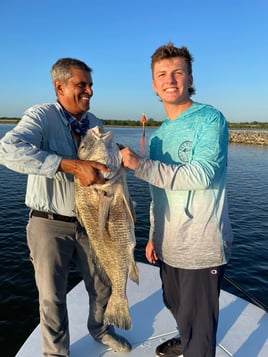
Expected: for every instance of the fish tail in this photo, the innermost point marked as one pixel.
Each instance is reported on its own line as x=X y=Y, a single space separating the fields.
x=134 y=272
x=117 y=313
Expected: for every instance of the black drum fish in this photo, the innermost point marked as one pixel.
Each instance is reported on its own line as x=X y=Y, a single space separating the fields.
x=107 y=213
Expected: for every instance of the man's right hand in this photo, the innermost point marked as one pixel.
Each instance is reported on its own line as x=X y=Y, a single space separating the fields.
x=88 y=172
x=150 y=253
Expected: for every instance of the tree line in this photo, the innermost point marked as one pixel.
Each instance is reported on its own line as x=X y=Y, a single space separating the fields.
x=154 y=123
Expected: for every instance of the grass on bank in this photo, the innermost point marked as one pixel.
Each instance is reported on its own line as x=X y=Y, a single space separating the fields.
x=254 y=125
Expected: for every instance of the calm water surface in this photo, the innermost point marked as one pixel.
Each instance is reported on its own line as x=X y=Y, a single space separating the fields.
x=247 y=194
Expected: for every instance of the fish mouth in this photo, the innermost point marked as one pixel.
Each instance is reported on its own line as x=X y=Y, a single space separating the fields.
x=113 y=175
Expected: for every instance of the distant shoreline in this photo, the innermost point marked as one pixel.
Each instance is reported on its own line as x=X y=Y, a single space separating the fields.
x=9 y=121
x=247 y=134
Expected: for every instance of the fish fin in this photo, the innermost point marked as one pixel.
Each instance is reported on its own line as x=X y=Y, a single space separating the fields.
x=128 y=201
x=129 y=209
x=117 y=313
x=132 y=209
x=104 y=208
x=133 y=273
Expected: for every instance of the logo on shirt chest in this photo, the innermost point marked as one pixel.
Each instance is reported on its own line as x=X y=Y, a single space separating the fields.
x=184 y=151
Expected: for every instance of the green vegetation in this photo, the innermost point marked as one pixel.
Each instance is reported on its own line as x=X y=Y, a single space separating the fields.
x=113 y=122
x=254 y=125
x=153 y=123
x=4 y=120
x=109 y=122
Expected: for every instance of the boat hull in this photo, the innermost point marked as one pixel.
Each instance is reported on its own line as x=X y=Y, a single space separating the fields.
x=242 y=332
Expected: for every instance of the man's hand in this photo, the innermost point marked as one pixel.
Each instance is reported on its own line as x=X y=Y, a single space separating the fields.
x=88 y=172
x=150 y=253
x=129 y=158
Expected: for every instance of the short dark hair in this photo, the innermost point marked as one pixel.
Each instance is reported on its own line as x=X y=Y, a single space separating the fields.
x=61 y=70
x=169 y=51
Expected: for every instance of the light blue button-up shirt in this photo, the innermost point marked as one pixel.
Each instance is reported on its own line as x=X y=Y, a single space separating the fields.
x=35 y=147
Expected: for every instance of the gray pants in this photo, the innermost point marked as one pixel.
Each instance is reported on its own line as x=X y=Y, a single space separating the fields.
x=52 y=245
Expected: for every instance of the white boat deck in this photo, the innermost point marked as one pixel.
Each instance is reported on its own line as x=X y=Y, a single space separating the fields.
x=242 y=332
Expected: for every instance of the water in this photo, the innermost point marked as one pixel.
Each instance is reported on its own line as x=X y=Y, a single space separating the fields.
x=247 y=194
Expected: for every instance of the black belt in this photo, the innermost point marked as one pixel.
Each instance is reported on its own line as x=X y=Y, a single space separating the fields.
x=56 y=217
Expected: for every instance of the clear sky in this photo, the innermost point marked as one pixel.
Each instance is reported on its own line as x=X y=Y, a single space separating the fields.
x=228 y=39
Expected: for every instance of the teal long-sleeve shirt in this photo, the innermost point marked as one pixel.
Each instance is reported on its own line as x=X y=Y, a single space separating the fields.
x=186 y=170
x=35 y=147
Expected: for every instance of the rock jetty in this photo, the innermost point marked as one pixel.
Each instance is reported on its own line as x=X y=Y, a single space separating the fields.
x=249 y=137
